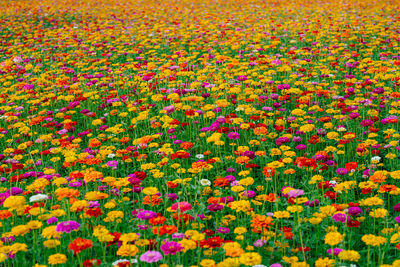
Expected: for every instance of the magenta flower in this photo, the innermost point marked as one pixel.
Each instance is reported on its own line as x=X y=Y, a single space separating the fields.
x=334 y=251
x=67 y=226
x=146 y=215
x=340 y=217
x=171 y=247
x=342 y=171
x=113 y=164
x=241 y=78
x=233 y=135
x=354 y=211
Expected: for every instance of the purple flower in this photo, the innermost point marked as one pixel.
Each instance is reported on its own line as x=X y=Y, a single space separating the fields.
x=397 y=207
x=143 y=227
x=215 y=207
x=312 y=203
x=151 y=256
x=67 y=226
x=354 y=211
x=52 y=220
x=397 y=219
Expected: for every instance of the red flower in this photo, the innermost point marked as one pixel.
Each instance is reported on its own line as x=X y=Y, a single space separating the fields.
x=115 y=240
x=351 y=166
x=324 y=185
x=213 y=242
x=80 y=244
x=353 y=223
x=94 y=212
x=92 y=262
x=331 y=195
x=366 y=191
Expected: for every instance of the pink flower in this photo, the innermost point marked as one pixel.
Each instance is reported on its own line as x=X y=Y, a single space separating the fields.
x=151 y=256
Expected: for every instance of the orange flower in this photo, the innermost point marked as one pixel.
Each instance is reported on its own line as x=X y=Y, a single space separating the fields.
x=186 y=145
x=92 y=176
x=289 y=171
x=66 y=193
x=206 y=153
x=94 y=142
x=242 y=160
x=155 y=125
x=268 y=171
x=260 y=131
x=5 y=214
x=261 y=223
x=377 y=178
x=124 y=140
x=153 y=200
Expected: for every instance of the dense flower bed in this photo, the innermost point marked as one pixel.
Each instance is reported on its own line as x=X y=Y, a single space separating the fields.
x=199 y=133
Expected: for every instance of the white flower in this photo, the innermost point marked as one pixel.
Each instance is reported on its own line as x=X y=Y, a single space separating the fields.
x=115 y=263
x=205 y=182
x=38 y=197
x=111 y=155
x=376 y=159
x=200 y=156
x=332 y=183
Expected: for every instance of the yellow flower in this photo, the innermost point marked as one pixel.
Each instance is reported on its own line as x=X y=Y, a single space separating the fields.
x=57 y=259
x=349 y=255
x=126 y=238
x=240 y=230
x=325 y=262
x=50 y=232
x=207 y=263
x=52 y=243
x=127 y=250
x=378 y=213
x=20 y=230
x=373 y=240
x=150 y=191
x=250 y=259
x=281 y=214
x=3 y=257
x=14 y=202
x=333 y=238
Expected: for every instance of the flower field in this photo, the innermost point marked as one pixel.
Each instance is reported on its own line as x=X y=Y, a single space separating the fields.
x=199 y=133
